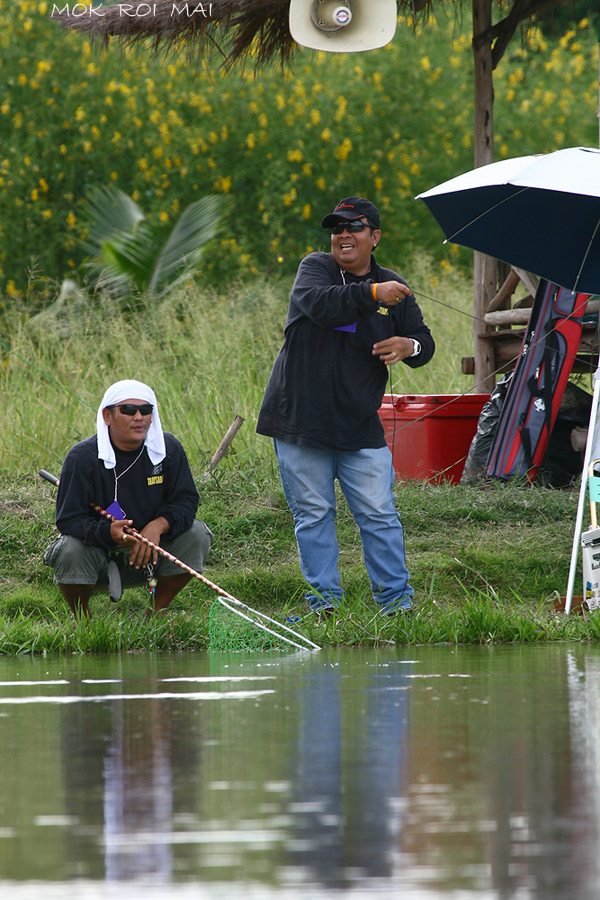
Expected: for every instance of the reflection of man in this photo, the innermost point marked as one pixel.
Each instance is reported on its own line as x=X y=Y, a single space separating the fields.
x=348 y=320
x=140 y=475
x=350 y=773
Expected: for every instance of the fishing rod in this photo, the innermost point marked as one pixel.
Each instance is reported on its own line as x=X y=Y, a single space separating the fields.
x=222 y=596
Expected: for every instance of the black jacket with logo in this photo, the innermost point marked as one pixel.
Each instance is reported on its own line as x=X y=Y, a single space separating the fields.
x=145 y=492
x=326 y=386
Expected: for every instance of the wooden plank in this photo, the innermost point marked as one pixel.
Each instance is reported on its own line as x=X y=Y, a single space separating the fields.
x=530 y=281
x=507 y=290
x=508 y=317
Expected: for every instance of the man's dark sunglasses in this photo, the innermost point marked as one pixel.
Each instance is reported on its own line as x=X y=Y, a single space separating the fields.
x=354 y=225
x=130 y=409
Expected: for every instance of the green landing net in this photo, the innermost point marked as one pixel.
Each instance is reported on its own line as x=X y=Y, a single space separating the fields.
x=229 y=631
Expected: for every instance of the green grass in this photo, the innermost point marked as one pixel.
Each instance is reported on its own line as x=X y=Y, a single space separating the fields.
x=486 y=566
x=485 y=562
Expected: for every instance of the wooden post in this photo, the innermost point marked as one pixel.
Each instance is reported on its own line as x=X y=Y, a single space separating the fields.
x=223 y=446
x=485 y=269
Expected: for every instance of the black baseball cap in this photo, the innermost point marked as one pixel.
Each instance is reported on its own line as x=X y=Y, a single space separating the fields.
x=353 y=208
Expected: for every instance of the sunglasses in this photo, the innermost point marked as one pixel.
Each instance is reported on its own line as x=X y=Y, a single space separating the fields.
x=130 y=409
x=355 y=225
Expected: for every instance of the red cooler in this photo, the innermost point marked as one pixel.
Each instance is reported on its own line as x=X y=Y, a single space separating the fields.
x=430 y=436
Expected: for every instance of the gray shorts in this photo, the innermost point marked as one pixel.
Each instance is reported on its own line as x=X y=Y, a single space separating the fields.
x=75 y=563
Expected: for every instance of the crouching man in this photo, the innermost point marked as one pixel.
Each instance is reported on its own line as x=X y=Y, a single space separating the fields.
x=141 y=476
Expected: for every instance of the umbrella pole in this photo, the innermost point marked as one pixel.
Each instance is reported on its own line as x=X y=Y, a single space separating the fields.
x=582 y=491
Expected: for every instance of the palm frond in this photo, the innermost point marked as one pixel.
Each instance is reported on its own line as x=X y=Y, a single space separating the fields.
x=132 y=254
x=186 y=243
x=129 y=251
x=105 y=212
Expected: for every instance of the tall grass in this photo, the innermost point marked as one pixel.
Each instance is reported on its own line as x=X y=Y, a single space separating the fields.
x=207 y=354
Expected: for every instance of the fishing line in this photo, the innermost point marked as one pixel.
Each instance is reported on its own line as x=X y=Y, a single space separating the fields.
x=473 y=388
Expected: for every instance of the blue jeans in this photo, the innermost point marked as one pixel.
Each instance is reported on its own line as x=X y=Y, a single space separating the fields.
x=366 y=478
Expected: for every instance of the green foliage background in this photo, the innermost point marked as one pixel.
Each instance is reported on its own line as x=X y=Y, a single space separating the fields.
x=285 y=145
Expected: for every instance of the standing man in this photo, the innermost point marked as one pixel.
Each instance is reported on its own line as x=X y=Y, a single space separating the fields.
x=141 y=475
x=348 y=320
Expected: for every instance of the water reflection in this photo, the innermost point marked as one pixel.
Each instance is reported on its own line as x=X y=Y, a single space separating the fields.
x=426 y=773
x=345 y=791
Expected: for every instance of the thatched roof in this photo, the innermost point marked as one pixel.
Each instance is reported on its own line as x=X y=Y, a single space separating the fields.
x=237 y=29
x=245 y=29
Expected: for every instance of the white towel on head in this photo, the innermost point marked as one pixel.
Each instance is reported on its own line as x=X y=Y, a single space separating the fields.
x=118 y=393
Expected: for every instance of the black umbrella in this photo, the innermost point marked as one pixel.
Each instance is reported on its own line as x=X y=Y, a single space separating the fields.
x=539 y=213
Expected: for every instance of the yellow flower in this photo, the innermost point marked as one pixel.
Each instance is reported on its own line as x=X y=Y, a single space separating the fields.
x=223 y=184
x=326 y=134
x=306 y=211
x=516 y=76
x=71 y=220
x=47 y=213
x=163 y=216
x=343 y=151
x=342 y=104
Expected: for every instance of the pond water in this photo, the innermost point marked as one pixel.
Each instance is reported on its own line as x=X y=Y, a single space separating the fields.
x=428 y=773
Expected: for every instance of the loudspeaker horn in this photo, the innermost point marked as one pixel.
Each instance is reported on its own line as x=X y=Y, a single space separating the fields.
x=343 y=26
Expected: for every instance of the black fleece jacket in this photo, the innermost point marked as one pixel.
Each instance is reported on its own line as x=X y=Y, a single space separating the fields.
x=326 y=386
x=145 y=492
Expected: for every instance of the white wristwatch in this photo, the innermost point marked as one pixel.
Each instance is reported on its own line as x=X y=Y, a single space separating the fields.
x=417 y=349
